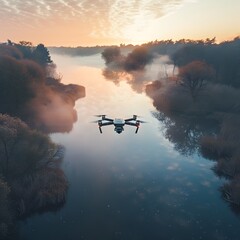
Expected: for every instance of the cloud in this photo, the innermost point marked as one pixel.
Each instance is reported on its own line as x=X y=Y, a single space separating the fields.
x=104 y=18
x=173 y=167
x=123 y=16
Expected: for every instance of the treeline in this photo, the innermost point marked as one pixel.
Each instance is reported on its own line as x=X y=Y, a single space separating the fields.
x=169 y=47
x=163 y=47
x=223 y=58
x=77 y=51
x=87 y=51
x=26 y=50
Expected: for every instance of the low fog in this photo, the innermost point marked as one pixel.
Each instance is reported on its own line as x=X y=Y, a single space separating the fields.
x=30 y=89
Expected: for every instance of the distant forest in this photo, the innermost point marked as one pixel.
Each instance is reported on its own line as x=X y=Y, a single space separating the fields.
x=85 y=51
x=163 y=47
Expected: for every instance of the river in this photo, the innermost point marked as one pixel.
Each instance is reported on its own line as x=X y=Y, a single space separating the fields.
x=128 y=186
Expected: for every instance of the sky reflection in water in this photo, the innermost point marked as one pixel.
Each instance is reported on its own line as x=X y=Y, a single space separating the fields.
x=128 y=186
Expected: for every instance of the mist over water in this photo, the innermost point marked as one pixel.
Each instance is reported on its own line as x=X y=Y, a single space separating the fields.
x=129 y=186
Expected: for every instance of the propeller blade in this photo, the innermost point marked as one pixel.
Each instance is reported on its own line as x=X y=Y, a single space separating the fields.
x=100 y=115
x=94 y=121
x=140 y=121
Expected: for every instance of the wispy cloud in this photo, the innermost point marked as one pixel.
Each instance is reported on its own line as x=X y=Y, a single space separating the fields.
x=104 y=18
x=122 y=16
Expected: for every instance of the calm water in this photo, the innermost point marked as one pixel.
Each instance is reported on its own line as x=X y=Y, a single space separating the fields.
x=129 y=186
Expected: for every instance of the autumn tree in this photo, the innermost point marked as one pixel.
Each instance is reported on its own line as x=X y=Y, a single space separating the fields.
x=194 y=76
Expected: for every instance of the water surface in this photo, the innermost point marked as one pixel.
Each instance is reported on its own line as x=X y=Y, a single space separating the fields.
x=128 y=186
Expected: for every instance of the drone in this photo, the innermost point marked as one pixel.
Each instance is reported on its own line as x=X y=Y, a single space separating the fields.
x=118 y=123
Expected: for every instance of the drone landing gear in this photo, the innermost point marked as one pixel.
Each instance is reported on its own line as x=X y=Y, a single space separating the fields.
x=137 y=129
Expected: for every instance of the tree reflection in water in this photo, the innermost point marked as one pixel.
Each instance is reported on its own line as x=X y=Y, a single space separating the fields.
x=208 y=126
x=136 y=79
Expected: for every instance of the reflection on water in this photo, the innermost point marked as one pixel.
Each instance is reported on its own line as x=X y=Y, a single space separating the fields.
x=129 y=186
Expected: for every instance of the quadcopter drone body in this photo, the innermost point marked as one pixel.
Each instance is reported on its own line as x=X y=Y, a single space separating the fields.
x=118 y=123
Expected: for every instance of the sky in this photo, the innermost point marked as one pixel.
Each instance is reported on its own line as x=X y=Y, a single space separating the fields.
x=108 y=22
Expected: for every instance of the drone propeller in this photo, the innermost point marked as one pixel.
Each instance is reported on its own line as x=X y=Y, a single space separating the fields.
x=95 y=121
x=140 y=121
x=100 y=115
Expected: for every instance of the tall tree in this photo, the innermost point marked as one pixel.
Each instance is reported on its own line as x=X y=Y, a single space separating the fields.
x=41 y=55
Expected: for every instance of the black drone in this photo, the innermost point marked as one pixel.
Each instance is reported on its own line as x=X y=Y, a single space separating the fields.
x=118 y=123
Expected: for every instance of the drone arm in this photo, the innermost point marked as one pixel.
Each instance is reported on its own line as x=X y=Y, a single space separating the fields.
x=106 y=124
x=131 y=123
x=130 y=119
x=134 y=118
x=107 y=119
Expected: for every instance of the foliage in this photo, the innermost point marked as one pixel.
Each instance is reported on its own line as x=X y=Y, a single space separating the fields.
x=11 y=51
x=137 y=59
x=17 y=80
x=41 y=55
x=194 y=77
x=111 y=54
x=30 y=165
x=207 y=123
x=30 y=89
x=224 y=59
